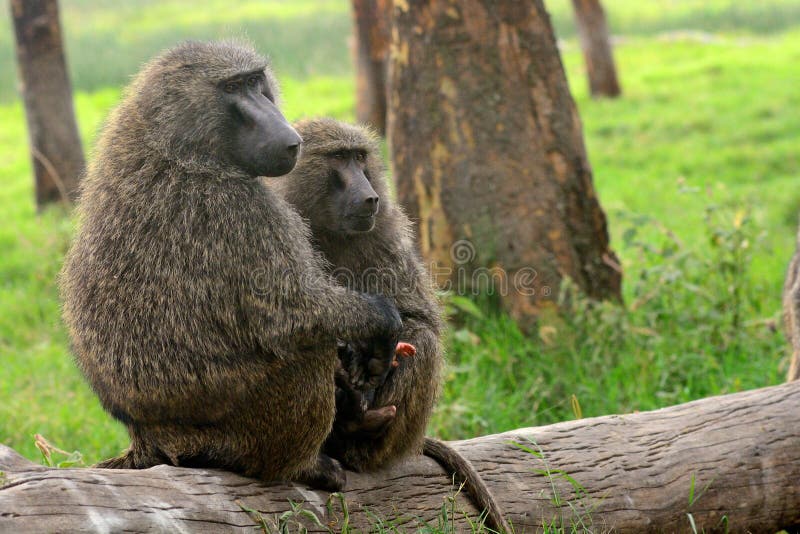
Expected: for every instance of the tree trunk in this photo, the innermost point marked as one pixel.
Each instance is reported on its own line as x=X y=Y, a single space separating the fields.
x=488 y=153
x=596 y=44
x=731 y=461
x=55 y=144
x=372 y=19
x=791 y=311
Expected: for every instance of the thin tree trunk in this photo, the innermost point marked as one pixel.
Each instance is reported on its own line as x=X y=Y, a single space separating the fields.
x=732 y=462
x=372 y=19
x=488 y=153
x=596 y=45
x=56 y=150
x=791 y=311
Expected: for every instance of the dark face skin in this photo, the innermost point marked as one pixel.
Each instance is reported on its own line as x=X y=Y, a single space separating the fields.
x=262 y=142
x=353 y=200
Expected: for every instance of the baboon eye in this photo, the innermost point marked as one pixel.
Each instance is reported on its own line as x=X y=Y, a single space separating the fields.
x=252 y=81
x=361 y=156
x=338 y=155
x=232 y=87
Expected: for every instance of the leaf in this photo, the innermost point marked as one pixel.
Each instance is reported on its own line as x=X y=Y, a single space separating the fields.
x=548 y=333
x=691 y=522
x=629 y=235
x=463 y=335
x=739 y=218
x=465 y=305
x=576 y=407
x=527 y=449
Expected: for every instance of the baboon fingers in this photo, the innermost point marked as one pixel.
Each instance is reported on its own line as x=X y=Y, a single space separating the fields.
x=406 y=350
x=374 y=423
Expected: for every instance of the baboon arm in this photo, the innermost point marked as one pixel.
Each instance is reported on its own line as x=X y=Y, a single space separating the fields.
x=321 y=316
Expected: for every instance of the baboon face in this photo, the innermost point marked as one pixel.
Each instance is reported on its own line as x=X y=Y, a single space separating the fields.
x=338 y=184
x=353 y=201
x=212 y=106
x=262 y=142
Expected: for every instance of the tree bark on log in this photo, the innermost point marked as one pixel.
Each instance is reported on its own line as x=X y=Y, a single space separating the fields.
x=730 y=461
x=372 y=20
x=56 y=149
x=596 y=45
x=488 y=154
x=791 y=311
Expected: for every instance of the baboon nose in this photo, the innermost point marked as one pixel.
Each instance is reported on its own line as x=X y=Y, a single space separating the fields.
x=371 y=203
x=293 y=149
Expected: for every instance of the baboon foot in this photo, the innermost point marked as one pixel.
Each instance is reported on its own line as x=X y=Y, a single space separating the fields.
x=373 y=424
x=327 y=475
x=123 y=461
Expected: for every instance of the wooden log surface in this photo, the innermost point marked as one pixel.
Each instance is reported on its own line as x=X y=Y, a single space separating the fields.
x=731 y=461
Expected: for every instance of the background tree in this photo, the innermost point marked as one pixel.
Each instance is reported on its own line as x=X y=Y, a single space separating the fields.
x=372 y=20
x=596 y=45
x=488 y=152
x=54 y=141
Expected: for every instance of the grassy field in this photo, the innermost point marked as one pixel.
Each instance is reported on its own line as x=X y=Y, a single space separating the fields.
x=695 y=167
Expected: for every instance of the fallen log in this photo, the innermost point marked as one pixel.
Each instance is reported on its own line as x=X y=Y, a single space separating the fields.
x=729 y=462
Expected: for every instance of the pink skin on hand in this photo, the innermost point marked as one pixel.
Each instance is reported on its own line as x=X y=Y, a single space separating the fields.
x=404 y=350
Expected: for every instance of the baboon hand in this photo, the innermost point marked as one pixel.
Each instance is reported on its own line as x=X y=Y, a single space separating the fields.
x=390 y=323
x=377 y=420
x=404 y=350
x=351 y=404
x=369 y=360
x=370 y=424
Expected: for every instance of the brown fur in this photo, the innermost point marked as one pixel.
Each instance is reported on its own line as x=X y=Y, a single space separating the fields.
x=388 y=251
x=198 y=310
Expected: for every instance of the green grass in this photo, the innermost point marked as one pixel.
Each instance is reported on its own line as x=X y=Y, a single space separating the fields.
x=702 y=123
x=651 y=17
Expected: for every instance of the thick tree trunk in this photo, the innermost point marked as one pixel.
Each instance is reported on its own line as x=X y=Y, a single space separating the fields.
x=596 y=44
x=791 y=311
x=55 y=144
x=488 y=153
x=372 y=19
x=731 y=461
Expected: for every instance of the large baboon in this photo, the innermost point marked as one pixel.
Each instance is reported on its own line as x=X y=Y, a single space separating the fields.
x=339 y=186
x=198 y=310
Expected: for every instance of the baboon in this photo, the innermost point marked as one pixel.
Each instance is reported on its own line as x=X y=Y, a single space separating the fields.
x=198 y=310
x=340 y=187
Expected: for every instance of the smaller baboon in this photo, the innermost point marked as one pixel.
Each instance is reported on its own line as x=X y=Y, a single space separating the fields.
x=791 y=312
x=198 y=310
x=339 y=186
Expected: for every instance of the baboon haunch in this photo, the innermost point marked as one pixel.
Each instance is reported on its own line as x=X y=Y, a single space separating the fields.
x=198 y=310
x=339 y=186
